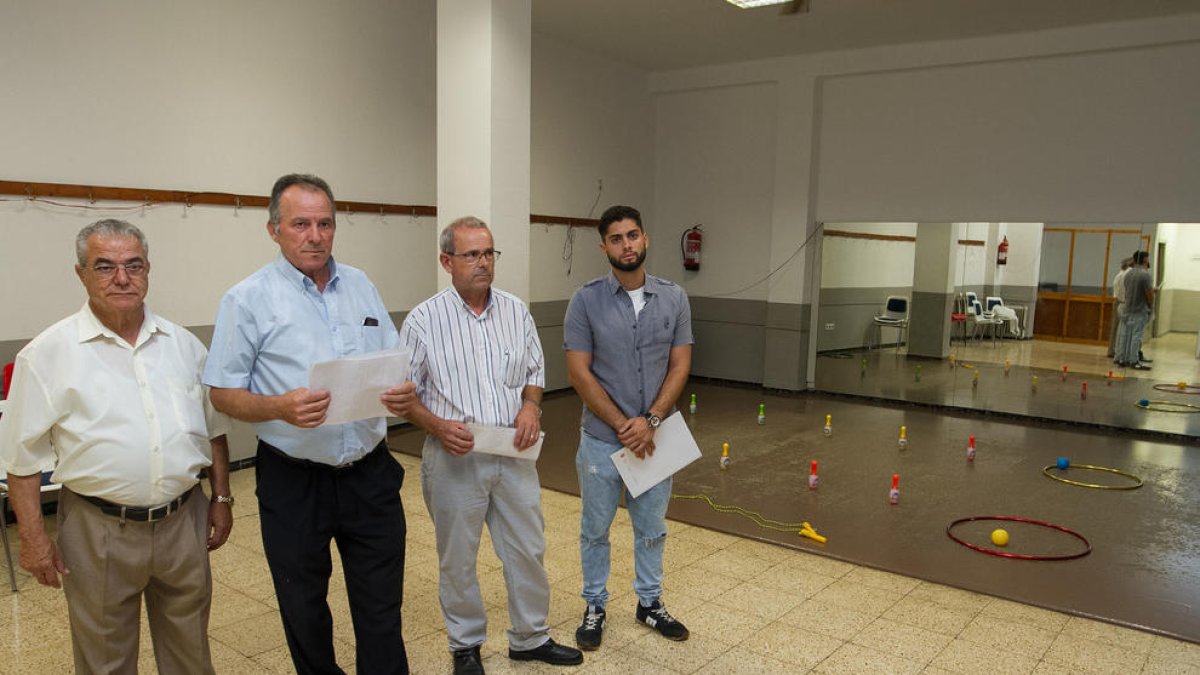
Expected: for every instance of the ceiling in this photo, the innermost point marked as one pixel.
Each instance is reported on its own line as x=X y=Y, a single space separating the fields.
x=668 y=34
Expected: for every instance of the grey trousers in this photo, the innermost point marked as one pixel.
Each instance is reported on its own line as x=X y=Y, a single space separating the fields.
x=114 y=566
x=462 y=494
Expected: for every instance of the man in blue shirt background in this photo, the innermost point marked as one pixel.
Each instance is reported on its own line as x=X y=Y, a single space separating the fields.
x=315 y=483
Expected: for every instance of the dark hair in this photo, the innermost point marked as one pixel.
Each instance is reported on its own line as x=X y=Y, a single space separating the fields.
x=308 y=181
x=617 y=213
x=1140 y=257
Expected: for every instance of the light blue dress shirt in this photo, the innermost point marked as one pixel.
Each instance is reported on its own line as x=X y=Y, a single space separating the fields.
x=273 y=325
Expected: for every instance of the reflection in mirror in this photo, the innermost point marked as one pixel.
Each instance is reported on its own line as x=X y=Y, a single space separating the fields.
x=986 y=316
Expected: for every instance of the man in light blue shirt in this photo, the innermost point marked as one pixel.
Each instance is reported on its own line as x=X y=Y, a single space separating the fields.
x=315 y=483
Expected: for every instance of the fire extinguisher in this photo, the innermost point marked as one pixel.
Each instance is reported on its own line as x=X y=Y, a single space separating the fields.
x=690 y=244
x=1002 y=254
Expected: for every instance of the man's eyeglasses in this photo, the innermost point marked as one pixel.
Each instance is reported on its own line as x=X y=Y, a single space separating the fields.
x=108 y=270
x=473 y=257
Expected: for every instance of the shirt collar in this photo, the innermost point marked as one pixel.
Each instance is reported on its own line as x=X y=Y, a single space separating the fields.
x=613 y=286
x=289 y=272
x=467 y=307
x=90 y=327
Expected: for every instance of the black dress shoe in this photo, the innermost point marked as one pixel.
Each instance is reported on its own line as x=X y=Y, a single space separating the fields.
x=550 y=652
x=467 y=662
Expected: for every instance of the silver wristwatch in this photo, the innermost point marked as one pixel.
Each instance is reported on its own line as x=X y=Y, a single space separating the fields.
x=654 y=420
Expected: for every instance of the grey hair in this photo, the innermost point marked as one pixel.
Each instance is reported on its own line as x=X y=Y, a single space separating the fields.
x=109 y=227
x=446 y=241
x=306 y=180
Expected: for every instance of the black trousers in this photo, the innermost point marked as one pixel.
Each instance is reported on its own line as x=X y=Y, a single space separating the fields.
x=302 y=507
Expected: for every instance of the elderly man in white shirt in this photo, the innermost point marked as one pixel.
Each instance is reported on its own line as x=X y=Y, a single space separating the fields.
x=110 y=398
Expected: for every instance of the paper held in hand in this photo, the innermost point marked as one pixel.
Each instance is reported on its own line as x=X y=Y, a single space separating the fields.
x=674 y=448
x=355 y=383
x=499 y=441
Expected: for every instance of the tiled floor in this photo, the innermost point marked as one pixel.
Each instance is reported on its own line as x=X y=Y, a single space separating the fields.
x=751 y=608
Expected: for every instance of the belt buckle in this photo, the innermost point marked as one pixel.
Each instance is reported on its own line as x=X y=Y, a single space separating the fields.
x=166 y=510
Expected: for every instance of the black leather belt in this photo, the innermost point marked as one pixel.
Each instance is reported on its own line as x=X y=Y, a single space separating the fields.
x=141 y=514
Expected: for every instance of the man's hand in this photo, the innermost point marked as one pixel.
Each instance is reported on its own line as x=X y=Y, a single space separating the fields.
x=456 y=438
x=41 y=558
x=637 y=435
x=303 y=407
x=220 y=522
x=529 y=427
x=399 y=400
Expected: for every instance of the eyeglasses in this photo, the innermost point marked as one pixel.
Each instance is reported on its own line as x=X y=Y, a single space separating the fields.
x=473 y=257
x=109 y=270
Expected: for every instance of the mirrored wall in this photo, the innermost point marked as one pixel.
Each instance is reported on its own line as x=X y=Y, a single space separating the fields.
x=955 y=347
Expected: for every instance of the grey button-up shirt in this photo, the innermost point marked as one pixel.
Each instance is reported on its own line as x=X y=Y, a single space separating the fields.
x=630 y=352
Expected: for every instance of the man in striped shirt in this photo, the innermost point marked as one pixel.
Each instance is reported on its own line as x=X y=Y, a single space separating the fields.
x=476 y=358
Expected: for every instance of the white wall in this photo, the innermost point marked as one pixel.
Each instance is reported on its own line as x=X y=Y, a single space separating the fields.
x=1024 y=254
x=592 y=147
x=222 y=96
x=1093 y=123
x=715 y=156
x=206 y=97
x=868 y=263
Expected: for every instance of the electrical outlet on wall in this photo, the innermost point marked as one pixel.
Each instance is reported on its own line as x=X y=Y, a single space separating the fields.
x=829 y=326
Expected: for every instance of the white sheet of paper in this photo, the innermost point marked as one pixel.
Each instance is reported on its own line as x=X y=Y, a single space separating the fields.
x=674 y=448
x=354 y=383
x=499 y=441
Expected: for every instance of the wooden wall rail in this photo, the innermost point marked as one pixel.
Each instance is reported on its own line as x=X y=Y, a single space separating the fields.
x=92 y=193
x=867 y=235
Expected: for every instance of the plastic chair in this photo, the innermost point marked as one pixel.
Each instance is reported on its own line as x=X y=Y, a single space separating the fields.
x=978 y=318
x=895 y=315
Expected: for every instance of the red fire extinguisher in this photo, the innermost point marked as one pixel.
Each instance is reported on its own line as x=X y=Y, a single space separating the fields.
x=1002 y=254
x=690 y=244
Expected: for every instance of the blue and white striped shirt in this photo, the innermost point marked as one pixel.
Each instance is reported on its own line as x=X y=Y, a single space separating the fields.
x=472 y=368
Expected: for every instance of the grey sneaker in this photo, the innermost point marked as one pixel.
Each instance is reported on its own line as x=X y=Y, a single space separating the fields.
x=591 y=631
x=656 y=617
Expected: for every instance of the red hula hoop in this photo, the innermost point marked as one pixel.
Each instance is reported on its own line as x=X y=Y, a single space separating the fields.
x=1020 y=556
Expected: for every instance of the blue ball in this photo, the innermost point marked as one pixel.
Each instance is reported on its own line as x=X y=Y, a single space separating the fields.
x=1144 y=402
x=1063 y=463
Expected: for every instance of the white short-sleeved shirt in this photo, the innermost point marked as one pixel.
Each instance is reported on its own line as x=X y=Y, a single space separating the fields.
x=127 y=424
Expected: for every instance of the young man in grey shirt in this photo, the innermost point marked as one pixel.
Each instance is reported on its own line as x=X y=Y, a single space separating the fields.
x=628 y=338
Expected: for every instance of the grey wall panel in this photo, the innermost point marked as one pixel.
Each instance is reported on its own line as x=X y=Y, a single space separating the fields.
x=851 y=312
x=729 y=351
x=787 y=316
x=549 y=313
x=929 y=324
x=728 y=310
x=556 y=360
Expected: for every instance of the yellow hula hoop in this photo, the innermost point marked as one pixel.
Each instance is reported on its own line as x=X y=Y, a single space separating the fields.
x=1157 y=406
x=1046 y=472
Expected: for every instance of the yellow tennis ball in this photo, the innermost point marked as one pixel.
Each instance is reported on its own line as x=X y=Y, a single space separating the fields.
x=999 y=537
x=1182 y=385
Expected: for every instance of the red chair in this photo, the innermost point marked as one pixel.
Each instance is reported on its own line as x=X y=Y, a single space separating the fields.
x=8 y=370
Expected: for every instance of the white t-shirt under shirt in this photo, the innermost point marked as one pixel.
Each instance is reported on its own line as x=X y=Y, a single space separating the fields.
x=638 y=296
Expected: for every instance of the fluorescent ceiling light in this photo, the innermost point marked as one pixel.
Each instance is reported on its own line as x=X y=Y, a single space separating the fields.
x=751 y=4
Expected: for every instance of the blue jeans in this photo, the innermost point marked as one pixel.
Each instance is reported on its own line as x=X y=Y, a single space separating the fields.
x=601 y=488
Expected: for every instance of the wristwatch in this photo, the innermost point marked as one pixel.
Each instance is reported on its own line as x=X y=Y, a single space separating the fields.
x=654 y=420
x=223 y=499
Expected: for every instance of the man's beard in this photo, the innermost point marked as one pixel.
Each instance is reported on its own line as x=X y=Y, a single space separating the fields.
x=628 y=266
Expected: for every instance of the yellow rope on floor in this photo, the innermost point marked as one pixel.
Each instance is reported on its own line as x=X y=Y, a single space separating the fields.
x=802 y=528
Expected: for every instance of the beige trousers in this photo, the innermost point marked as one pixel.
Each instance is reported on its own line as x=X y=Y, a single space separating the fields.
x=112 y=566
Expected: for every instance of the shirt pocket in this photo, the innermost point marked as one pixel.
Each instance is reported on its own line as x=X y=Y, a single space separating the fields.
x=188 y=401
x=371 y=339
x=513 y=366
